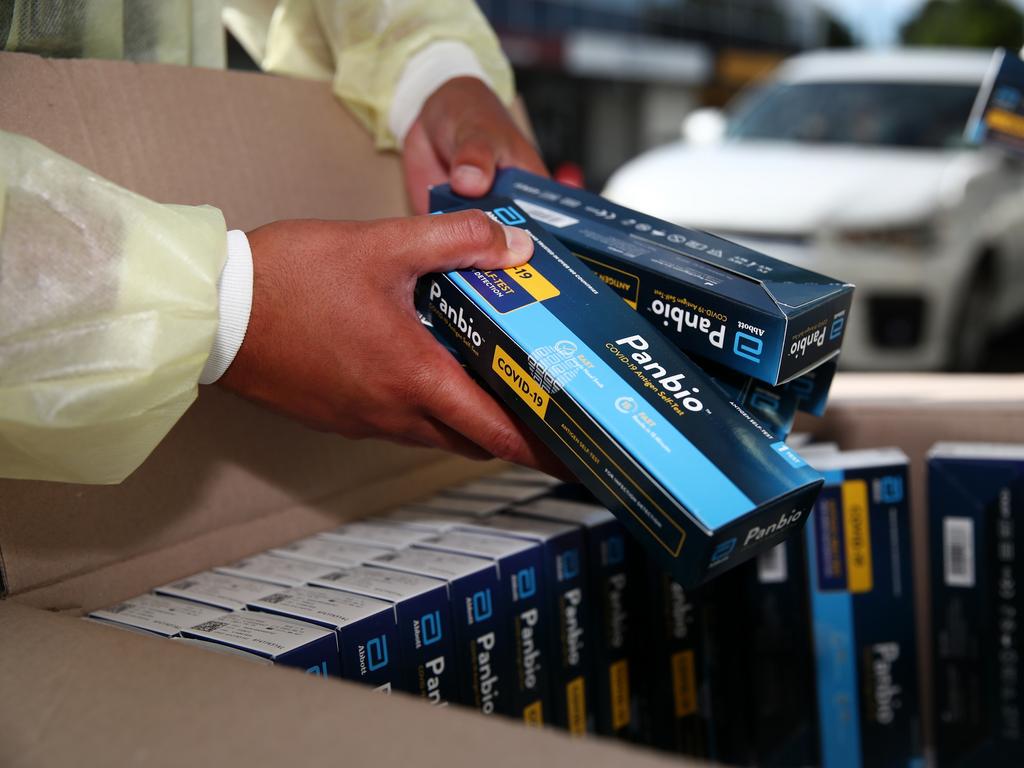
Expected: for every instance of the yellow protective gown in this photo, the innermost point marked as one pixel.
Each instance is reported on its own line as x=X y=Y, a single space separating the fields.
x=108 y=301
x=108 y=308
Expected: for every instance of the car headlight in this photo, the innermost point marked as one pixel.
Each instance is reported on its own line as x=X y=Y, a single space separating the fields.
x=917 y=235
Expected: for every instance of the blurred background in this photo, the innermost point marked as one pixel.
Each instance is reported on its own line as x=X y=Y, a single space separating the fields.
x=825 y=132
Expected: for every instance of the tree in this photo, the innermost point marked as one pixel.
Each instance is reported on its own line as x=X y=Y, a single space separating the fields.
x=977 y=23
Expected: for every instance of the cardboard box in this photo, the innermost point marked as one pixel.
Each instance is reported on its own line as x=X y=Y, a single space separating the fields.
x=976 y=531
x=482 y=654
x=612 y=623
x=278 y=640
x=713 y=298
x=155 y=614
x=637 y=422
x=862 y=606
x=256 y=480
x=424 y=618
x=521 y=617
x=366 y=628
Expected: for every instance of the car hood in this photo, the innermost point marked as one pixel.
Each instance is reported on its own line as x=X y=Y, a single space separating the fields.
x=784 y=188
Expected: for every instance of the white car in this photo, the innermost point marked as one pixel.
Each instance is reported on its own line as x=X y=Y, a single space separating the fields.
x=853 y=164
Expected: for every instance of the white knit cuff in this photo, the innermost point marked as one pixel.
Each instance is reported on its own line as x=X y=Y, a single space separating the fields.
x=235 y=292
x=426 y=71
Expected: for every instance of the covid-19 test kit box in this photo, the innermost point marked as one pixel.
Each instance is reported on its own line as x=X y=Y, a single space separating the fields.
x=366 y=629
x=858 y=544
x=700 y=482
x=713 y=298
x=156 y=614
x=482 y=653
x=976 y=532
x=221 y=590
x=423 y=615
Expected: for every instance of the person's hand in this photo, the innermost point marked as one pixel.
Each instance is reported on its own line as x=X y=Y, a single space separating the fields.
x=334 y=340
x=462 y=134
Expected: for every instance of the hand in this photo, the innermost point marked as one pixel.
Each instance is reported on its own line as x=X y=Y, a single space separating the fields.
x=334 y=340
x=462 y=134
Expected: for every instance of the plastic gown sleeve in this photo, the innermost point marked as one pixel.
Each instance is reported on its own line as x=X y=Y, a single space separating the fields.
x=108 y=309
x=367 y=43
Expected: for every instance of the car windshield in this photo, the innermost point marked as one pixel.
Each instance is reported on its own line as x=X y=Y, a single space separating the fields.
x=920 y=115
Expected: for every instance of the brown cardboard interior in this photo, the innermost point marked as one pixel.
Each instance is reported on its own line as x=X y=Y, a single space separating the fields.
x=231 y=479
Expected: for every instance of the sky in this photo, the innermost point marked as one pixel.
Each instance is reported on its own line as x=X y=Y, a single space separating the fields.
x=875 y=22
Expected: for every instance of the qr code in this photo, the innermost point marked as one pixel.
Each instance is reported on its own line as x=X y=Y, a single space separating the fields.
x=209 y=626
x=279 y=597
x=958 y=551
x=120 y=608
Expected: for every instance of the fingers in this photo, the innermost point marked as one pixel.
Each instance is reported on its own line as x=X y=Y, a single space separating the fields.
x=422 y=168
x=464 y=240
x=472 y=165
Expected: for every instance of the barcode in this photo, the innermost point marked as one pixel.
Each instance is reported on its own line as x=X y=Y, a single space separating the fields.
x=771 y=565
x=546 y=215
x=958 y=551
x=209 y=626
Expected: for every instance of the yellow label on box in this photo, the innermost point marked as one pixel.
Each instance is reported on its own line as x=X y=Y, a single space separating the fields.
x=1006 y=122
x=576 y=703
x=521 y=382
x=857 y=531
x=618 y=676
x=684 y=683
x=533 y=282
x=533 y=714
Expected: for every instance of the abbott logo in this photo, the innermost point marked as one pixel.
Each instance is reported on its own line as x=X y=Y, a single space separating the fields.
x=377 y=653
x=614 y=550
x=480 y=605
x=747 y=346
x=320 y=670
x=722 y=551
x=509 y=216
x=430 y=627
x=526 y=583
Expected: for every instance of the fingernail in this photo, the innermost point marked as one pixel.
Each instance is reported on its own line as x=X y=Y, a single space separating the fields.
x=469 y=179
x=519 y=241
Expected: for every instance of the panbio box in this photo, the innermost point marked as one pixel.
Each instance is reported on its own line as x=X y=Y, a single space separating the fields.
x=998 y=114
x=482 y=659
x=695 y=478
x=424 y=621
x=712 y=298
x=862 y=612
x=526 y=625
x=611 y=624
x=976 y=519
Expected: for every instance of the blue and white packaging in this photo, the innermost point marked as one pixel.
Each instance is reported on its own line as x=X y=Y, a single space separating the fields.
x=862 y=606
x=482 y=658
x=274 y=639
x=611 y=630
x=567 y=607
x=155 y=614
x=229 y=593
x=375 y=534
x=423 y=615
x=998 y=114
x=366 y=629
x=282 y=571
x=327 y=550
x=976 y=533
x=526 y=624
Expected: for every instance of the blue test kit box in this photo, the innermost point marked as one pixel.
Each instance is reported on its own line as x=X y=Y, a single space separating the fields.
x=283 y=571
x=156 y=615
x=229 y=593
x=976 y=533
x=482 y=659
x=525 y=624
x=699 y=481
x=423 y=615
x=329 y=550
x=366 y=629
x=713 y=298
x=612 y=625
x=998 y=114
x=273 y=639
x=862 y=607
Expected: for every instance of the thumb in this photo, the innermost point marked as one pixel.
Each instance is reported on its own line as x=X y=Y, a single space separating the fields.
x=466 y=240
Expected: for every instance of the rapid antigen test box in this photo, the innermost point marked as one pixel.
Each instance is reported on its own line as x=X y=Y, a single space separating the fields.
x=713 y=298
x=366 y=629
x=482 y=659
x=274 y=639
x=526 y=625
x=612 y=625
x=862 y=606
x=427 y=666
x=976 y=533
x=156 y=615
x=283 y=571
x=229 y=593
x=329 y=550
x=387 y=536
x=699 y=481
x=998 y=114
